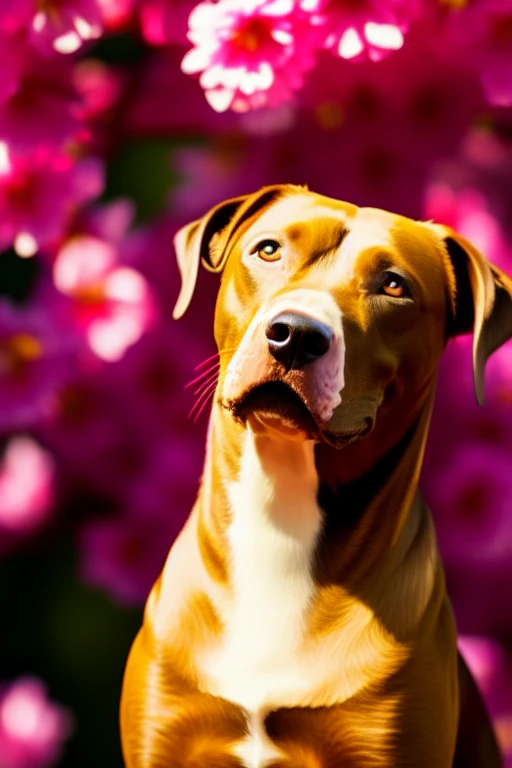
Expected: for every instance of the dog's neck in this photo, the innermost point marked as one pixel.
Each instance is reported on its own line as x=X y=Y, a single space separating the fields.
x=314 y=496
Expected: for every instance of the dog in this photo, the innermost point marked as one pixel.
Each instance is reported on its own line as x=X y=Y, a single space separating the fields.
x=301 y=619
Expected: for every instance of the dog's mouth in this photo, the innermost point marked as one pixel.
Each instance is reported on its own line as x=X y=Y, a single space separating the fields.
x=275 y=404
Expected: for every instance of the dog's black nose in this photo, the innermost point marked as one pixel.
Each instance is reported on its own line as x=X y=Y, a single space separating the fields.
x=296 y=340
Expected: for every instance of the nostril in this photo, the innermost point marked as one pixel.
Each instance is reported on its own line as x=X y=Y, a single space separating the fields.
x=278 y=332
x=317 y=344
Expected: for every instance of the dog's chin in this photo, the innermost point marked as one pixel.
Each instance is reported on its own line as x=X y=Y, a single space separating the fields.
x=274 y=407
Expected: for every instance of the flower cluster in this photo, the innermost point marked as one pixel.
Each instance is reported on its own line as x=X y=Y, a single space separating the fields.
x=121 y=120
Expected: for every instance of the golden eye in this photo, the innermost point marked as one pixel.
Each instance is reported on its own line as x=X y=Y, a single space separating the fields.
x=268 y=250
x=394 y=286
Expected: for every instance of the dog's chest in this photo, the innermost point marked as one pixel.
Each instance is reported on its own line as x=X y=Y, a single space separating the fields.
x=260 y=660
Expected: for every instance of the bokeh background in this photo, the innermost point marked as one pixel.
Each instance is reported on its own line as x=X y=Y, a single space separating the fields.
x=121 y=120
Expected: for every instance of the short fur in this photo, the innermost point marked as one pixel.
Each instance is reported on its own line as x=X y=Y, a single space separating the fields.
x=301 y=619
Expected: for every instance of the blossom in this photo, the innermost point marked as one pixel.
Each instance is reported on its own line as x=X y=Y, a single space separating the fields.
x=148 y=114
x=165 y=21
x=371 y=28
x=116 y=13
x=40 y=108
x=250 y=54
x=64 y=25
x=471 y=500
x=481 y=33
x=124 y=554
x=467 y=212
x=32 y=728
x=111 y=303
x=36 y=359
x=26 y=485
x=38 y=193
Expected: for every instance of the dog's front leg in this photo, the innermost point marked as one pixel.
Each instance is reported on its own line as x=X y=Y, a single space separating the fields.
x=167 y=723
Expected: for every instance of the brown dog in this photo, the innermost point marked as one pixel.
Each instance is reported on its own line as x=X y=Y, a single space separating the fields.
x=301 y=620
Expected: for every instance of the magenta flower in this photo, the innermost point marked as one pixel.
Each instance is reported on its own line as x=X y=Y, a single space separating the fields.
x=64 y=25
x=250 y=54
x=38 y=193
x=371 y=28
x=165 y=21
x=471 y=503
x=481 y=33
x=110 y=303
x=124 y=554
x=467 y=212
x=26 y=485
x=116 y=13
x=148 y=114
x=40 y=109
x=32 y=728
x=36 y=358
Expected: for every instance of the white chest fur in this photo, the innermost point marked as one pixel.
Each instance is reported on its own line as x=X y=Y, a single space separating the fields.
x=258 y=663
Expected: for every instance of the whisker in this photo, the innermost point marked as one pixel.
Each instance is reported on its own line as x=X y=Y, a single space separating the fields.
x=202 y=400
x=205 y=362
x=207 y=383
x=203 y=374
x=217 y=354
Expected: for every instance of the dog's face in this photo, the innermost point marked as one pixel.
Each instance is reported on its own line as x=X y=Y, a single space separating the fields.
x=330 y=316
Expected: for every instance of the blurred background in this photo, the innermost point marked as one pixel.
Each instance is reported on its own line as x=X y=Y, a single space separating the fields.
x=121 y=120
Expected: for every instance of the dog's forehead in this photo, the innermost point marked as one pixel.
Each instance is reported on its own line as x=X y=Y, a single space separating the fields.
x=303 y=213
x=301 y=209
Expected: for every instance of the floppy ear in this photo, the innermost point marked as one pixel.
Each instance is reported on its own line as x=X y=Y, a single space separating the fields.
x=193 y=243
x=482 y=303
x=206 y=240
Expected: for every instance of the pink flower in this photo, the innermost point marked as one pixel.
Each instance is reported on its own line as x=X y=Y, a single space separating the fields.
x=148 y=114
x=124 y=554
x=165 y=21
x=370 y=28
x=467 y=212
x=481 y=33
x=40 y=110
x=26 y=485
x=111 y=303
x=64 y=25
x=471 y=502
x=36 y=357
x=38 y=193
x=250 y=54
x=116 y=13
x=32 y=728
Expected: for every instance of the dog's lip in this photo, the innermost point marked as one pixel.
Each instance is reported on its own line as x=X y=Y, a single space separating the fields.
x=275 y=400
x=278 y=401
x=341 y=439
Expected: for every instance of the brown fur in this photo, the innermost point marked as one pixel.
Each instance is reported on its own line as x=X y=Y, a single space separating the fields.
x=379 y=613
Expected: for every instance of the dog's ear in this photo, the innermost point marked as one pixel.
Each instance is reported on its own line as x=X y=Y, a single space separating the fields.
x=195 y=242
x=481 y=301
x=206 y=240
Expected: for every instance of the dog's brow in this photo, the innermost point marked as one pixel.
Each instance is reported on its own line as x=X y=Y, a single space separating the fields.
x=329 y=235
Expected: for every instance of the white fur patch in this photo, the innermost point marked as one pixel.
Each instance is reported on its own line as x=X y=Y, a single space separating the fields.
x=259 y=663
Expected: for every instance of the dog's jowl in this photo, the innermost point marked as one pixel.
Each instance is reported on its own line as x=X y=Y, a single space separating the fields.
x=301 y=619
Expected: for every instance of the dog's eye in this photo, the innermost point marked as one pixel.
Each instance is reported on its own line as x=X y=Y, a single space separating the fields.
x=394 y=285
x=268 y=250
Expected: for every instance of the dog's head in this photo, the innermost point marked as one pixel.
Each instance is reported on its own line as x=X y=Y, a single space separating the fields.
x=331 y=316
